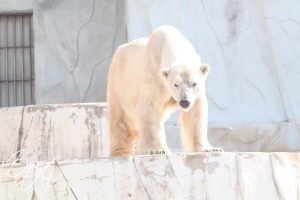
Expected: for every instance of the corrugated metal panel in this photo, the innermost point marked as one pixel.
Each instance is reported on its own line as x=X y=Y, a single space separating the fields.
x=16 y=60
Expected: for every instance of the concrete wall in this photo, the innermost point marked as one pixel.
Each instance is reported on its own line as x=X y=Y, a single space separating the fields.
x=13 y=6
x=74 y=43
x=54 y=131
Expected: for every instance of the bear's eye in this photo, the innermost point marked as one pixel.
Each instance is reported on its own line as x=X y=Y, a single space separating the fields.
x=194 y=84
x=175 y=85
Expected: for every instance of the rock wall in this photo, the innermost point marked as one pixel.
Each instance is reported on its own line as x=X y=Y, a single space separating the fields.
x=251 y=46
x=253 y=49
x=74 y=43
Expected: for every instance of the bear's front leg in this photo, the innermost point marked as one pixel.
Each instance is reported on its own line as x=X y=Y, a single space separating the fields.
x=194 y=128
x=152 y=137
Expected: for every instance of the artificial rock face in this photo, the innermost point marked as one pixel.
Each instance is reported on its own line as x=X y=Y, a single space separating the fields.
x=148 y=78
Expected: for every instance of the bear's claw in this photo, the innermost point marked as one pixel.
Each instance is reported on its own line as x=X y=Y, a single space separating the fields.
x=156 y=152
x=214 y=149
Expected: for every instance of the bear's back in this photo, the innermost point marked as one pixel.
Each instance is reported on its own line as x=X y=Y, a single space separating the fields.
x=167 y=44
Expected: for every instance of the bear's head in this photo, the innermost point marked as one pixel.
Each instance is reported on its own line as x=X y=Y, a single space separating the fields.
x=186 y=83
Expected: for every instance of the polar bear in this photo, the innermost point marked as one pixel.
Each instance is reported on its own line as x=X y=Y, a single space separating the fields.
x=148 y=78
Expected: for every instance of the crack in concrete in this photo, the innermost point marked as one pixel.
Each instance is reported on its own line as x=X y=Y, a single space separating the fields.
x=140 y=179
x=284 y=20
x=93 y=74
x=219 y=106
x=220 y=43
x=241 y=193
x=26 y=136
x=113 y=47
x=18 y=154
x=78 y=36
x=175 y=175
x=257 y=88
x=275 y=181
x=66 y=180
x=284 y=96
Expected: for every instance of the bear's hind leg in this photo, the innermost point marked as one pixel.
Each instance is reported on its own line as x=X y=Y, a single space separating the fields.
x=121 y=136
x=121 y=139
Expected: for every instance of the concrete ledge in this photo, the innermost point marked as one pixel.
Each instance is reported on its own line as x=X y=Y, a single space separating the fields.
x=183 y=176
x=61 y=131
x=64 y=132
x=67 y=131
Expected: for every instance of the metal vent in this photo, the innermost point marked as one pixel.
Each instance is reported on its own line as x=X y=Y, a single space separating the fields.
x=16 y=60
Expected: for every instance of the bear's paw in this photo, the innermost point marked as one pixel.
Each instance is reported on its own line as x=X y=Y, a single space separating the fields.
x=155 y=152
x=214 y=149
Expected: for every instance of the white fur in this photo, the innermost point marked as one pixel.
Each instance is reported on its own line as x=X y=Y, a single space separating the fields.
x=142 y=92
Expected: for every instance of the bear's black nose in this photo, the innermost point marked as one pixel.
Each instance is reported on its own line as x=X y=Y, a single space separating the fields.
x=184 y=103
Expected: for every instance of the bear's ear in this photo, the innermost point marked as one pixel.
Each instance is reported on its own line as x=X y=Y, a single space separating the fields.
x=204 y=69
x=165 y=72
